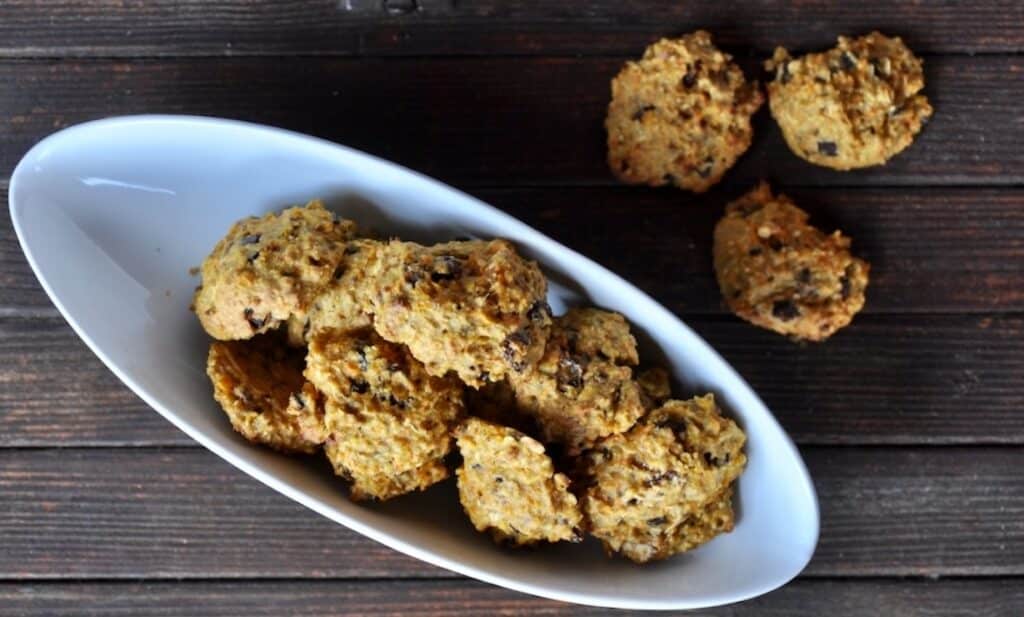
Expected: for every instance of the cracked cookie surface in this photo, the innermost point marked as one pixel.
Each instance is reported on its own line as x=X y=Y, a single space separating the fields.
x=265 y=270
x=680 y=115
x=259 y=385
x=856 y=105
x=389 y=422
x=778 y=272
x=582 y=388
x=664 y=486
x=508 y=486
x=475 y=307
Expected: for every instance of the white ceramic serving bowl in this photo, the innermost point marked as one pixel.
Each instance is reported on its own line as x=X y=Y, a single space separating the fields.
x=112 y=215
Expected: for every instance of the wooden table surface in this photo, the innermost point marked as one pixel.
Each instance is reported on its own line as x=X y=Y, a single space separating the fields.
x=911 y=420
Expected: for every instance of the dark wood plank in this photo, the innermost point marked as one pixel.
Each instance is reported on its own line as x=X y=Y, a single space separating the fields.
x=181 y=513
x=892 y=380
x=328 y=27
x=931 y=250
x=56 y=392
x=801 y=598
x=496 y=122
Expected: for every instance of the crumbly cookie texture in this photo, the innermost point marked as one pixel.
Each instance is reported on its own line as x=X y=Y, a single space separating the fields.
x=853 y=106
x=475 y=308
x=663 y=487
x=267 y=269
x=344 y=303
x=259 y=385
x=508 y=486
x=680 y=115
x=582 y=388
x=389 y=421
x=778 y=272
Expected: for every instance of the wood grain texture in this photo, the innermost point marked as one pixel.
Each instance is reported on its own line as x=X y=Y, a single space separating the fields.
x=494 y=121
x=931 y=250
x=885 y=380
x=182 y=513
x=801 y=598
x=33 y=28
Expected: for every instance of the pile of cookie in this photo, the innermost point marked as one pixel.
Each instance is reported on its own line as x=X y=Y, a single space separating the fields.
x=681 y=116
x=402 y=361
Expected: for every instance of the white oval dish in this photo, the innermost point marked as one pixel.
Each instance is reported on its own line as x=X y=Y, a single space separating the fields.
x=112 y=214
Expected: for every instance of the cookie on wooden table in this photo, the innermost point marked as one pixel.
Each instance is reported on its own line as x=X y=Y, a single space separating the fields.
x=680 y=115
x=778 y=272
x=259 y=384
x=856 y=105
x=508 y=486
x=265 y=270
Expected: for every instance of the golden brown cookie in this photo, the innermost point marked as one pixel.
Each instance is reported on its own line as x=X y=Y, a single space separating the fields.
x=475 y=308
x=267 y=269
x=389 y=421
x=680 y=115
x=778 y=272
x=259 y=385
x=664 y=486
x=582 y=388
x=344 y=303
x=855 y=105
x=508 y=486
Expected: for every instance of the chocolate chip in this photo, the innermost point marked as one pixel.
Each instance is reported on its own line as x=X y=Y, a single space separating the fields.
x=569 y=373
x=785 y=310
x=360 y=387
x=804 y=276
x=774 y=243
x=339 y=271
x=847 y=61
x=657 y=521
x=254 y=322
x=690 y=79
x=412 y=277
x=351 y=249
x=395 y=402
x=446 y=268
x=845 y=287
x=828 y=148
x=754 y=252
x=511 y=349
x=499 y=479
x=250 y=239
x=638 y=114
x=538 y=311
x=313 y=261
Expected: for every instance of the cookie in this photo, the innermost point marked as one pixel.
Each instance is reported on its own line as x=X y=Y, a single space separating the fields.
x=663 y=487
x=496 y=403
x=474 y=308
x=582 y=388
x=778 y=272
x=680 y=115
x=267 y=269
x=389 y=421
x=260 y=386
x=344 y=302
x=853 y=106
x=508 y=486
